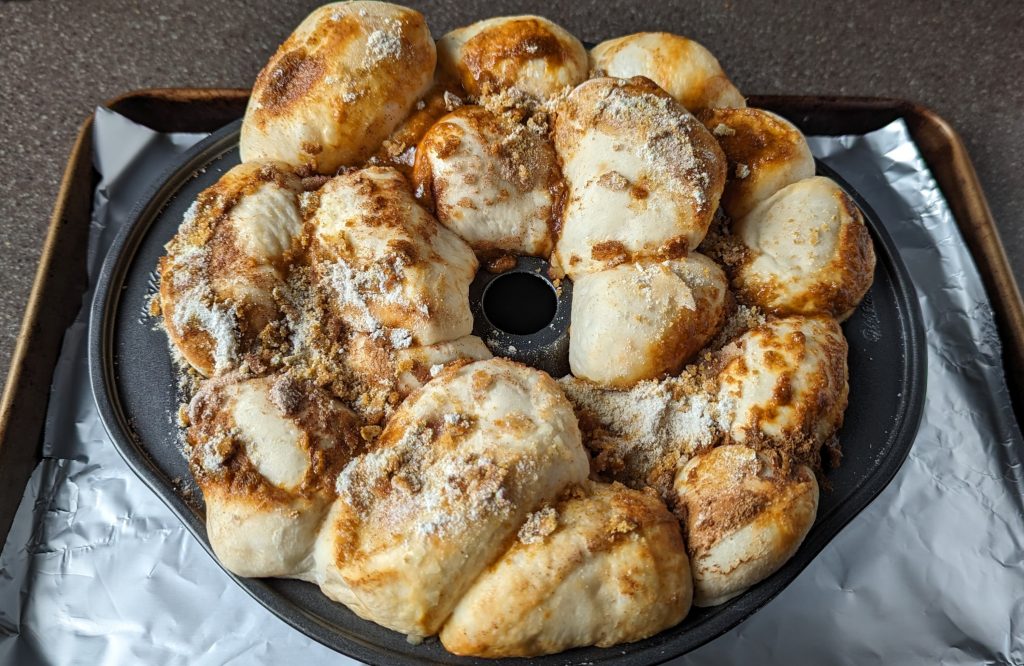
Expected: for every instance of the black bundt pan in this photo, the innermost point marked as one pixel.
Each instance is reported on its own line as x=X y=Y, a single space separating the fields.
x=134 y=382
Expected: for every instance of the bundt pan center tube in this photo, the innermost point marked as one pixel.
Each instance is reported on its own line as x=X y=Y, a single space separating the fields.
x=378 y=387
x=522 y=314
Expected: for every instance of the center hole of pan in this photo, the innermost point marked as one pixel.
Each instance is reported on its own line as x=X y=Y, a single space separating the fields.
x=520 y=302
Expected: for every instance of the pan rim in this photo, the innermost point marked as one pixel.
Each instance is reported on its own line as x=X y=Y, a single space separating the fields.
x=666 y=645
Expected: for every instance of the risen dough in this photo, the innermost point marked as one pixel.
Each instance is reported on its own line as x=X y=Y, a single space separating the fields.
x=640 y=321
x=808 y=251
x=492 y=181
x=231 y=252
x=602 y=567
x=527 y=53
x=746 y=514
x=681 y=66
x=785 y=384
x=644 y=176
x=338 y=86
x=765 y=152
x=392 y=269
x=453 y=476
x=264 y=452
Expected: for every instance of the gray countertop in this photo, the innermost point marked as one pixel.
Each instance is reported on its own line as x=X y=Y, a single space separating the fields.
x=59 y=59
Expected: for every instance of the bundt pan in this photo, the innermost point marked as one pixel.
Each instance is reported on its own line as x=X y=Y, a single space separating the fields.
x=135 y=386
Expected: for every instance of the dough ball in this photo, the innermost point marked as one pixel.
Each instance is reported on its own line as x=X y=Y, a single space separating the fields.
x=526 y=53
x=265 y=453
x=641 y=321
x=809 y=251
x=455 y=473
x=644 y=176
x=682 y=67
x=746 y=512
x=492 y=181
x=765 y=152
x=338 y=86
x=785 y=384
x=388 y=268
x=604 y=566
x=231 y=252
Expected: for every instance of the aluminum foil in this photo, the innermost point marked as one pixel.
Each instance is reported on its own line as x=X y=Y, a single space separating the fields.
x=96 y=570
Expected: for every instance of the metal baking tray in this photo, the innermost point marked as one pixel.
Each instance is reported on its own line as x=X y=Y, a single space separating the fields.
x=60 y=278
x=134 y=383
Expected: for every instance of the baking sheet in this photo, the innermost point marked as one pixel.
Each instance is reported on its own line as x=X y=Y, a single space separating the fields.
x=96 y=570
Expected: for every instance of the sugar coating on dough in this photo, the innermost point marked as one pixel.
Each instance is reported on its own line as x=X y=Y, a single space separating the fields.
x=451 y=479
x=221 y=270
x=491 y=180
x=643 y=175
x=388 y=262
x=263 y=451
x=746 y=513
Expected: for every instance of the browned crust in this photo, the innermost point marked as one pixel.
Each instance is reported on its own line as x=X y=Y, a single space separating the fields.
x=208 y=229
x=721 y=500
x=489 y=58
x=315 y=412
x=841 y=285
x=528 y=163
x=820 y=414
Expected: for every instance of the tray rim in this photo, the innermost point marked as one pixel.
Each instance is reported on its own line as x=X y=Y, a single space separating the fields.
x=117 y=425
x=25 y=393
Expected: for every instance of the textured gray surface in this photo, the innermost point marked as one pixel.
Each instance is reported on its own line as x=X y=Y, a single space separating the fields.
x=58 y=60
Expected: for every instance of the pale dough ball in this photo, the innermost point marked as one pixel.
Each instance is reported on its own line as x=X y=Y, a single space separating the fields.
x=455 y=473
x=765 y=152
x=526 y=53
x=492 y=181
x=604 y=566
x=746 y=512
x=809 y=251
x=682 y=67
x=643 y=175
x=231 y=252
x=641 y=321
x=785 y=384
x=265 y=453
x=338 y=86
x=388 y=267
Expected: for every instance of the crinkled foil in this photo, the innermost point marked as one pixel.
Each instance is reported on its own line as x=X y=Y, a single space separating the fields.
x=97 y=571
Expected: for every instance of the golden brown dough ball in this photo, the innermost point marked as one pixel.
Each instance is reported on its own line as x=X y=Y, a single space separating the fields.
x=492 y=181
x=527 y=53
x=785 y=384
x=603 y=566
x=684 y=68
x=808 y=251
x=338 y=86
x=641 y=321
x=389 y=268
x=746 y=512
x=765 y=152
x=265 y=452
